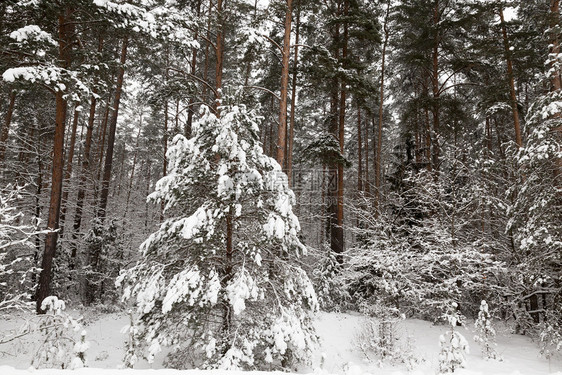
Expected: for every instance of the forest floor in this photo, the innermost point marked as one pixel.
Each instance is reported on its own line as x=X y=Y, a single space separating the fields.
x=338 y=351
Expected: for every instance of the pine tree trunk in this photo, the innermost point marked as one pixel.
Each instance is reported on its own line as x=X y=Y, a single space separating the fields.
x=331 y=187
x=428 y=141
x=6 y=128
x=337 y=239
x=556 y=81
x=282 y=128
x=65 y=33
x=83 y=178
x=94 y=252
x=37 y=199
x=378 y=152
x=165 y=158
x=359 y=151
x=68 y=172
x=206 y=65
x=367 y=180
x=219 y=54
x=512 y=93
x=293 y=99
x=101 y=143
x=108 y=163
x=555 y=43
x=191 y=102
x=133 y=167
x=147 y=191
x=435 y=89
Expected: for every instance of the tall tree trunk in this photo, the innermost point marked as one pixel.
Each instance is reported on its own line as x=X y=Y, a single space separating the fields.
x=511 y=80
x=556 y=79
x=108 y=163
x=337 y=244
x=101 y=143
x=85 y=170
x=132 y=177
x=219 y=53
x=65 y=32
x=147 y=191
x=359 y=151
x=68 y=172
x=191 y=102
x=555 y=43
x=7 y=123
x=293 y=99
x=282 y=128
x=331 y=186
x=435 y=89
x=165 y=138
x=367 y=181
x=94 y=252
x=165 y=158
x=428 y=137
x=378 y=152
x=206 y=65
x=83 y=178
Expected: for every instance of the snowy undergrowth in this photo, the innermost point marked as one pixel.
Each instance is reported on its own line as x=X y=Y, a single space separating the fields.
x=337 y=353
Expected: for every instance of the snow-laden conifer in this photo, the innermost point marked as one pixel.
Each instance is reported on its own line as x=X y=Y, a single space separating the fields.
x=486 y=334
x=454 y=346
x=220 y=280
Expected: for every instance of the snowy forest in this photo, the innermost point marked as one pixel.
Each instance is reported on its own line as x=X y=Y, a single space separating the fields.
x=232 y=179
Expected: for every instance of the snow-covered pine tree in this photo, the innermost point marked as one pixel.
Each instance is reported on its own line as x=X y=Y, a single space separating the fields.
x=220 y=280
x=454 y=346
x=486 y=333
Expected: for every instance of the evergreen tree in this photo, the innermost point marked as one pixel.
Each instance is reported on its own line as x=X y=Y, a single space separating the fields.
x=454 y=346
x=220 y=278
x=486 y=333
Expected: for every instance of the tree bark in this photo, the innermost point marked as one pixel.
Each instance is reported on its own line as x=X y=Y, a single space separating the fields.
x=337 y=244
x=435 y=89
x=83 y=177
x=108 y=164
x=68 y=172
x=555 y=42
x=190 y=109
x=165 y=158
x=7 y=123
x=378 y=152
x=367 y=182
x=206 y=65
x=65 y=33
x=219 y=53
x=293 y=100
x=359 y=151
x=132 y=177
x=101 y=142
x=282 y=128
x=95 y=251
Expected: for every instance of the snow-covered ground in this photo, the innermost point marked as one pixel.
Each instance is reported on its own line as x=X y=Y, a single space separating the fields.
x=338 y=352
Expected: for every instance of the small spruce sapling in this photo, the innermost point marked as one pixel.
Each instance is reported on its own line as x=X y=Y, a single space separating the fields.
x=550 y=334
x=381 y=336
x=59 y=349
x=132 y=342
x=454 y=346
x=80 y=348
x=486 y=333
